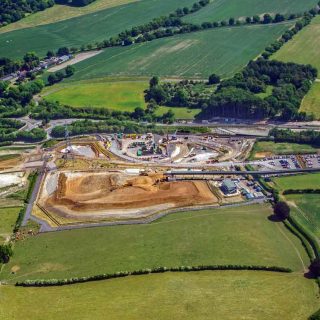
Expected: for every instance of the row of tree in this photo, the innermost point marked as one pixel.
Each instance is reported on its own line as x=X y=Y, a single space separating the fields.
x=75 y=3
x=14 y=10
x=171 y=25
x=121 y=274
x=47 y=111
x=60 y=75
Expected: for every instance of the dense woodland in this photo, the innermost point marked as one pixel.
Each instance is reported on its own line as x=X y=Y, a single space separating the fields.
x=309 y=137
x=14 y=10
x=240 y=96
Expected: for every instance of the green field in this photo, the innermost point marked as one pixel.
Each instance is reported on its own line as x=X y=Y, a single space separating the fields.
x=8 y=218
x=273 y=148
x=304 y=47
x=204 y=295
x=224 y=9
x=307 y=210
x=89 y=28
x=311 y=102
x=303 y=181
x=222 y=51
x=180 y=113
x=111 y=94
x=242 y=235
x=122 y=95
x=61 y=12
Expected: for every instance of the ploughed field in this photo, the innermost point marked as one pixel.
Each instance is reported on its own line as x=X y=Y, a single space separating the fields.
x=219 y=10
x=117 y=195
x=213 y=295
x=235 y=235
x=223 y=51
x=96 y=26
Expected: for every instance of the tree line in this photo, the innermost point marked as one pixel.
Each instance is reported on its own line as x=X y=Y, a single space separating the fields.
x=121 y=274
x=173 y=24
x=47 y=111
x=304 y=137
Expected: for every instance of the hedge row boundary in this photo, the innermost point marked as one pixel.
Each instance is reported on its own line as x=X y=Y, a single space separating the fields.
x=121 y=274
x=301 y=191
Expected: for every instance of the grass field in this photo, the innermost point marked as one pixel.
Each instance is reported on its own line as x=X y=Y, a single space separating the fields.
x=122 y=95
x=86 y=29
x=242 y=235
x=201 y=295
x=61 y=12
x=180 y=113
x=306 y=210
x=311 y=102
x=111 y=94
x=222 y=51
x=224 y=9
x=303 y=181
x=265 y=148
x=8 y=218
x=304 y=47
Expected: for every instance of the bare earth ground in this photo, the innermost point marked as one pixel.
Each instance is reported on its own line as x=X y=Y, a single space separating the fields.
x=79 y=57
x=116 y=195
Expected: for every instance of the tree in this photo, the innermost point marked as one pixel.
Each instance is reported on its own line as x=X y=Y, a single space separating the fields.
x=256 y=19
x=267 y=18
x=5 y=253
x=69 y=71
x=214 y=79
x=282 y=210
x=52 y=79
x=31 y=60
x=50 y=54
x=315 y=267
x=231 y=21
x=63 y=51
x=154 y=81
x=138 y=113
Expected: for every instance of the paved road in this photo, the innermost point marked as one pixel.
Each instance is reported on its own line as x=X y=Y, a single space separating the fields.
x=239 y=173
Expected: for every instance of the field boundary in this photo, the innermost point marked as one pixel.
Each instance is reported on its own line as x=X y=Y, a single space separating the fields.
x=121 y=274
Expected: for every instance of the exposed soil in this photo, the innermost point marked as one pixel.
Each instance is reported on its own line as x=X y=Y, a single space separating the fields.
x=96 y=193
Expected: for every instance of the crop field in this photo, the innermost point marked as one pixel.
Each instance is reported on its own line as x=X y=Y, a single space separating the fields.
x=305 y=181
x=122 y=95
x=311 y=102
x=8 y=218
x=222 y=51
x=224 y=9
x=242 y=235
x=86 y=29
x=304 y=47
x=306 y=209
x=61 y=12
x=268 y=148
x=198 y=295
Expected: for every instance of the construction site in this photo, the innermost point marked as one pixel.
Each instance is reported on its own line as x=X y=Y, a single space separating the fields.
x=130 y=178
